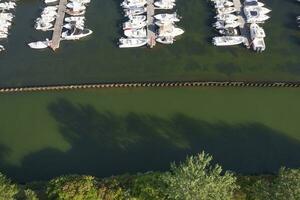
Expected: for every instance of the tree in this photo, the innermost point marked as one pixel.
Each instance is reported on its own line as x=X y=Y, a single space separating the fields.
x=149 y=186
x=8 y=190
x=73 y=188
x=287 y=185
x=30 y=195
x=197 y=179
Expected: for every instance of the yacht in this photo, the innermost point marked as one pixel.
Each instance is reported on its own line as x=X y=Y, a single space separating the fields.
x=132 y=42
x=167 y=17
x=169 y=30
x=71 y=19
x=134 y=4
x=165 y=40
x=134 y=24
x=73 y=12
x=229 y=31
x=225 y=17
x=253 y=3
x=50 y=1
x=48 y=19
x=226 y=10
x=81 y=1
x=51 y=8
x=74 y=24
x=257 y=36
x=40 y=44
x=135 y=11
x=43 y=26
x=223 y=4
x=255 y=14
x=228 y=40
x=136 y=33
x=2 y=48
x=162 y=23
x=137 y=17
x=225 y=25
x=75 y=34
x=164 y=4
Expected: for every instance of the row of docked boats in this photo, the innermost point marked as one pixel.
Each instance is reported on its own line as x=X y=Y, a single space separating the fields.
x=162 y=25
x=74 y=23
x=6 y=17
x=229 y=21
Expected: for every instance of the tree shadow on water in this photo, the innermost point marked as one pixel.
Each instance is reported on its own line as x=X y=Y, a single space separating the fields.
x=105 y=144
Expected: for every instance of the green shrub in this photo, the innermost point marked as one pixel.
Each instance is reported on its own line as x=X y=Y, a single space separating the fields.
x=73 y=188
x=197 y=179
x=30 y=195
x=149 y=186
x=8 y=190
x=287 y=185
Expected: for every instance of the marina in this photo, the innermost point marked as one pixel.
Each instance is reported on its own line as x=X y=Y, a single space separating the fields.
x=245 y=16
x=192 y=57
x=63 y=28
x=141 y=30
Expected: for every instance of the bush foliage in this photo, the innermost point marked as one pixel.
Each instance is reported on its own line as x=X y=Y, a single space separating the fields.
x=194 y=179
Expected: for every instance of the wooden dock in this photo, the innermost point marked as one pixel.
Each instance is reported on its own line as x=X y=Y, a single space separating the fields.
x=151 y=35
x=244 y=28
x=58 y=26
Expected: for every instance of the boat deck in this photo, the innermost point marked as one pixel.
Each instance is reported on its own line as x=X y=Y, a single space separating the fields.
x=58 y=26
x=151 y=35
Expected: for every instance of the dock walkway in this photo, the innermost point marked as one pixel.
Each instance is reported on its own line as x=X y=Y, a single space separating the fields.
x=151 y=36
x=244 y=28
x=58 y=26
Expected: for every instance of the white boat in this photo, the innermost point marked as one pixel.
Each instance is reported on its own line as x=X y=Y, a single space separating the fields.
x=133 y=4
x=75 y=34
x=253 y=3
x=75 y=13
x=135 y=11
x=225 y=17
x=162 y=23
x=71 y=25
x=255 y=14
x=132 y=42
x=226 y=10
x=164 y=4
x=224 y=25
x=165 y=40
x=167 y=17
x=229 y=31
x=2 y=48
x=137 y=17
x=136 y=33
x=81 y=1
x=134 y=24
x=51 y=8
x=39 y=44
x=223 y=4
x=72 y=19
x=45 y=19
x=257 y=36
x=50 y=1
x=169 y=31
x=43 y=26
x=228 y=40
x=3 y=35
x=76 y=5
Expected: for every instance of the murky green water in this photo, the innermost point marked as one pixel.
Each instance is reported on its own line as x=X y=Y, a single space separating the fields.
x=192 y=57
x=115 y=131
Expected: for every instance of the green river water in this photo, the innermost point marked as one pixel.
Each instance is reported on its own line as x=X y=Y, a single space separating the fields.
x=114 y=131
